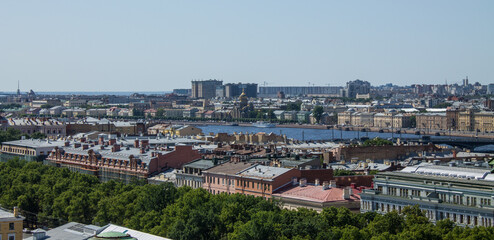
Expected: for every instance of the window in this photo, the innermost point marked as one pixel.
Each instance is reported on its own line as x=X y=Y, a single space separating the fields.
x=12 y=236
x=11 y=226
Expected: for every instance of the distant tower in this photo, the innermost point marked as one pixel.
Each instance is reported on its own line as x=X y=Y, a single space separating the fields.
x=18 y=88
x=465 y=81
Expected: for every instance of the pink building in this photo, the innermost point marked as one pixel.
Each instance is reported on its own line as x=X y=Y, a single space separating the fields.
x=221 y=178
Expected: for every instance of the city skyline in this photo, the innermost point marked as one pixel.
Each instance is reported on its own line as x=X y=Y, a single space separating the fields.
x=159 y=46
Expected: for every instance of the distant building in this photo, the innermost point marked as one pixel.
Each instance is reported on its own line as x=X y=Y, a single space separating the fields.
x=490 y=89
x=356 y=87
x=233 y=90
x=318 y=196
x=28 y=149
x=47 y=126
x=122 y=161
x=205 y=89
x=221 y=178
x=272 y=91
x=191 y=173
x=185 y=91
x=461 y=194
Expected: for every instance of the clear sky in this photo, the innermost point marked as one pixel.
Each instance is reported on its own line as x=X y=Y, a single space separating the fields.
x=160 y=45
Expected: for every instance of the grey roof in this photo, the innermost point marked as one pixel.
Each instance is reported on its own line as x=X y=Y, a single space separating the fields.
x=8 y=216
x=201 y=164
x=263 y=172
x=123 y=154
x=72 y=231
x=34 y=143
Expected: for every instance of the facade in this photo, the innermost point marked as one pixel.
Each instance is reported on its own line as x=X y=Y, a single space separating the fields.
x=50 y=127
x=11 y=225
x=182 y=130
x=221 y=178
x=109 y=160
x=205 y=89
x=463 y=195
x=437 y=121
x=356 y=87
x=29 y=150
x=262 y=181
x=471 y=120
x=233 y=90
x=191 y=173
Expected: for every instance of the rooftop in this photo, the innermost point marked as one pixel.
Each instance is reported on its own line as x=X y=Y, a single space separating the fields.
x=317 y=194
x=35 y=143
x=230 y=168
x=263 y=172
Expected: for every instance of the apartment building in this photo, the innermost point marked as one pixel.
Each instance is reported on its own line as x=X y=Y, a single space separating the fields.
x=462 y=194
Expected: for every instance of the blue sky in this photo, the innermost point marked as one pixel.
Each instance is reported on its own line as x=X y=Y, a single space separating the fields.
x=161 y=45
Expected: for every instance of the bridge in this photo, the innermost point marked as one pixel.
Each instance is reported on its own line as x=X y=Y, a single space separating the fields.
x=468 y=143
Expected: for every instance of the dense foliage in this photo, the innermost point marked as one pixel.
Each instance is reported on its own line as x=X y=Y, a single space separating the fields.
x=182 y=213
x=13 y=134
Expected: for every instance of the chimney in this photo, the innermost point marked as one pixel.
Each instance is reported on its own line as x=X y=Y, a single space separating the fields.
x=144 y=143
x=83 y=139
x=316 y=182
x=16 y=212
x=332 y=183
x=303 y=182
x=454 y=153
x=85 y=146
x=294 y=181
x=346 y=193
x=325 y=185
x=101 y=140
x=102 y=147
x=142 y=150
x=76 y=145
x=115 y=148
x=112 y=141
x=67 y=143
x=136 y=143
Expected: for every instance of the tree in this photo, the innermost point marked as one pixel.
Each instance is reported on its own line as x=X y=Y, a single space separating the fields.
x=317 y=113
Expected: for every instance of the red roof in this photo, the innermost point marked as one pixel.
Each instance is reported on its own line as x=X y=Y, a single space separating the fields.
x=317 y=194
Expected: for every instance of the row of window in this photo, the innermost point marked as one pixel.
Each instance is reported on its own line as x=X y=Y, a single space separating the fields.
x=19 y=151
x=244 y=183
x=447 y=198
x=458 y=218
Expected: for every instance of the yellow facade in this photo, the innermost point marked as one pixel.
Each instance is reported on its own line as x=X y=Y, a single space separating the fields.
x=11 y=228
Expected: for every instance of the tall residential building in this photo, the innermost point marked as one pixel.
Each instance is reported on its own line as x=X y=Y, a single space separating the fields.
x=356 y=87
x=490 y=88
x=233 y=90
x=205 y=89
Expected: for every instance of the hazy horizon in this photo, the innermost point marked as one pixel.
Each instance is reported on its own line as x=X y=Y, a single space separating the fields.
x=157 y=46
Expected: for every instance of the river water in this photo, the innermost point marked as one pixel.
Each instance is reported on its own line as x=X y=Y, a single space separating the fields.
x=304 y=133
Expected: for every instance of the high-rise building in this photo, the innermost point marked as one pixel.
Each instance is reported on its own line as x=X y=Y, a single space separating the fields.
x=356 y=87
x=205 y=89
x=233 y=90
x=490 y=88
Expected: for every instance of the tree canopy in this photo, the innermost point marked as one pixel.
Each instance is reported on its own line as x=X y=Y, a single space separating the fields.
x=57 y=195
